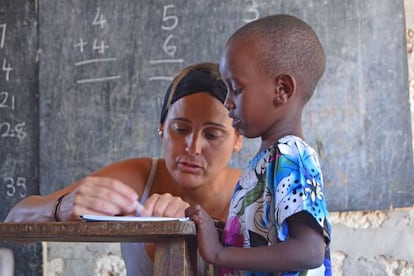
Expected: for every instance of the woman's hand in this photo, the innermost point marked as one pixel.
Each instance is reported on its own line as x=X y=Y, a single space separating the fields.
x=98 y=196
x=164 y=205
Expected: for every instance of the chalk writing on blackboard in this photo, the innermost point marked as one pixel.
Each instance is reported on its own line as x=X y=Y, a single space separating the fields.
x=7 y=100
x=6 y=68
x=13 y=130
x=8 y=129
x=170 y=22
x=15 y=185
x=3 y=35
x=99 y=48
x=253 y=12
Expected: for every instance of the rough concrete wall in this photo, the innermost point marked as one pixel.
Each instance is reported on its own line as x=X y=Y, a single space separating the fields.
x=363 y=243
x=373 y=243
x=409 y=19
x=68 y=259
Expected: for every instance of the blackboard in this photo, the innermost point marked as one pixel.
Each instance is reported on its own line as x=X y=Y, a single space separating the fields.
x=105 y=65
x=19 y=118
x=88 y=79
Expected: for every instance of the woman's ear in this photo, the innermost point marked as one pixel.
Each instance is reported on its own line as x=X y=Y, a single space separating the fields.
x=160 y=130
x=238 y=143
x=285 y=88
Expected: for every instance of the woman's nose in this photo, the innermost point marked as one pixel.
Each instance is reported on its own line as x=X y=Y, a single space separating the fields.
x=193 y=144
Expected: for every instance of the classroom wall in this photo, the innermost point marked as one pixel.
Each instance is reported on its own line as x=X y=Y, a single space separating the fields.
x=378 y=242
x=364 y=243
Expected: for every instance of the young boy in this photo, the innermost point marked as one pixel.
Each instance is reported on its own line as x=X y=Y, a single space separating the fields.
x=278 y=219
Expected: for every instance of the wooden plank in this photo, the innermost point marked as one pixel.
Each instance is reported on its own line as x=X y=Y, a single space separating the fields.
x=175 y=241
x=168 y=258
x=97 y=231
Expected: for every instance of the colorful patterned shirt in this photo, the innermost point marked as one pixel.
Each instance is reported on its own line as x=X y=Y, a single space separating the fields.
x=279 y=182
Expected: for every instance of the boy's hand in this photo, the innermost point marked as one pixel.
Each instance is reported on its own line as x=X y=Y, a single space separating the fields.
x=208 y=240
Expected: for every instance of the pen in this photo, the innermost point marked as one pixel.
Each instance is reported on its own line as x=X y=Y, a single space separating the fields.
x=139 y=207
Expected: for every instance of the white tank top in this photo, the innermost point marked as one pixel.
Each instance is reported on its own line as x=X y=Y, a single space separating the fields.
x=137 y=262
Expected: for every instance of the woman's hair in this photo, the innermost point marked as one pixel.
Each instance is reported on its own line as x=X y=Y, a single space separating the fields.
x=199 y=77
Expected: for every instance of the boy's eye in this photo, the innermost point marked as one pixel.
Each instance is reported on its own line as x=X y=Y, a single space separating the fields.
x=236 y=91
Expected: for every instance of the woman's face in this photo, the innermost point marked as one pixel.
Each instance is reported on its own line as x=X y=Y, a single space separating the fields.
x=198 y=139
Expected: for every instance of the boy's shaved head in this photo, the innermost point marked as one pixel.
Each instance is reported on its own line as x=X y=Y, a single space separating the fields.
x=287 y=45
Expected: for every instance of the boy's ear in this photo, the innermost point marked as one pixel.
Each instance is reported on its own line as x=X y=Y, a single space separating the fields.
x=284 y=89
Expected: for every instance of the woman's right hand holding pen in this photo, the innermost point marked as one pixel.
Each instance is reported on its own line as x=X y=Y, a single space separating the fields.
x=95 y=195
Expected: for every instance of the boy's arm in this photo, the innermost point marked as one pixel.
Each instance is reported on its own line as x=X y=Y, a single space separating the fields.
x=304 y=249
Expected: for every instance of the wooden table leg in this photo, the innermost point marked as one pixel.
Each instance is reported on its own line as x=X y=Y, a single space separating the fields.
x=198 y=265
x=172 y=258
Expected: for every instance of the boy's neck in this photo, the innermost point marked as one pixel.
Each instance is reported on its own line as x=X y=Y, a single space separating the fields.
x=272 y=137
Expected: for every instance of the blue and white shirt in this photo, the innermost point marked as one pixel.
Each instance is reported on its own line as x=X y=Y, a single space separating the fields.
x=279 y=182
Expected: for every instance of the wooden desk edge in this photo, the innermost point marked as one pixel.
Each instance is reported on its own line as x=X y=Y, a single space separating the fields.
x=169 y=236
x=97 y=231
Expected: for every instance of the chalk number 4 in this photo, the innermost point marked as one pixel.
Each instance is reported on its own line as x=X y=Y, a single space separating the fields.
x=99 y=19
x=7 y=68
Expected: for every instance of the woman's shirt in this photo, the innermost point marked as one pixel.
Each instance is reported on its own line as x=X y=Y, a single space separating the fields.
x=137 y=261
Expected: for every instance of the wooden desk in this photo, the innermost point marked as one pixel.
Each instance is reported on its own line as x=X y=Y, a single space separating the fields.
x=175 y=241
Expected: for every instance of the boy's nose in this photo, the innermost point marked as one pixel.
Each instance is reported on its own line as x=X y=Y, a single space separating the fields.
x=228 y=103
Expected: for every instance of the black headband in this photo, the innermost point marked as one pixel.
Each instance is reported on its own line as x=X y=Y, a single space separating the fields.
x=194 y=82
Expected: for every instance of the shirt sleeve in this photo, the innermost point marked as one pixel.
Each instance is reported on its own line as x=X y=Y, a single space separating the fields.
x=299 y=187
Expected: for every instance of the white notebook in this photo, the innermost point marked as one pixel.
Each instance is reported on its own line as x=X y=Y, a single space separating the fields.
x=129 y=218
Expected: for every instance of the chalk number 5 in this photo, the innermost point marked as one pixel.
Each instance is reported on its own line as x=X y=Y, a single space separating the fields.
x=173 y=19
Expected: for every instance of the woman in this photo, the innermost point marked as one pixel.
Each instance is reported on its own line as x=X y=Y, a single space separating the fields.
x=198 y=141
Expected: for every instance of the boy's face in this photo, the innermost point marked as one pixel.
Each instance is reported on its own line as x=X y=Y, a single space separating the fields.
x=250 y=91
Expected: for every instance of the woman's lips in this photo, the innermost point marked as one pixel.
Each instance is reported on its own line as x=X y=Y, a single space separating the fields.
x=189 y=167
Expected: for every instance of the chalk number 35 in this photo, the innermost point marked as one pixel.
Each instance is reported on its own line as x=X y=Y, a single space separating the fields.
x=16 y=187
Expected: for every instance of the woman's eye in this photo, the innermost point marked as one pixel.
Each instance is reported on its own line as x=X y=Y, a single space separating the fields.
x=180 y=129
x=213 y=135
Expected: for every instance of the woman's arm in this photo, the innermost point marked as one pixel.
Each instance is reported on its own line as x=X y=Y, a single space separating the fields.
x=93 y=195
x=113 y=190
x=34 y=208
